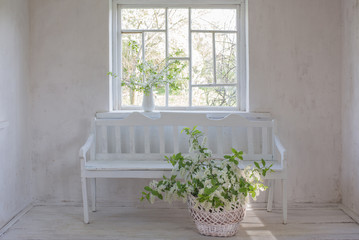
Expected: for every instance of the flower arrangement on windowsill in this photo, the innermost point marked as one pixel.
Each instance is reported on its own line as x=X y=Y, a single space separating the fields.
x=147 y=75
x=151 y=76
x=216 y=189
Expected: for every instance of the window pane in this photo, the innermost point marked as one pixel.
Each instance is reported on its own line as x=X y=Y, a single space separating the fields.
x=131 y=58
x=214 y=96
x=133 y=18
x=155 y=57
x=131 y=98
x=178 y=32
x=131 y=54
x=160 y=96
x=226 y=58
x=202 y=58
x=155 y=48
x=179 y=94
x=213 y=19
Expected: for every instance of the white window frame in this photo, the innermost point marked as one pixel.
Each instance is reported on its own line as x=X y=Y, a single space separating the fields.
x=242 y=51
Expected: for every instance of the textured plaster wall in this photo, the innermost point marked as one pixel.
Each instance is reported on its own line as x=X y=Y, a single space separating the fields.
x=295 y=65
x=15 y=161
x=350 y=106
x=69 y=62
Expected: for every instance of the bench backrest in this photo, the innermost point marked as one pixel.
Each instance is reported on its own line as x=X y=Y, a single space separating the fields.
x=138 y=136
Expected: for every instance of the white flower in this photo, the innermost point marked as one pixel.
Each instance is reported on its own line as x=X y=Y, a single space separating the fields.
x=153 y=184
x=220 y=180
x=152 y=199
x=161 y=188
x=227 y=185
x=207 y=183
x=182 y=172
x=257 y=175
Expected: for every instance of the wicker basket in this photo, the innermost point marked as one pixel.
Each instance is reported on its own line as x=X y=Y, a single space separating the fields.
x=216 y=222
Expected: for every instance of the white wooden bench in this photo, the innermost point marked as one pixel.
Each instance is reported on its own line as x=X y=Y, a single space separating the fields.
x=135 y=146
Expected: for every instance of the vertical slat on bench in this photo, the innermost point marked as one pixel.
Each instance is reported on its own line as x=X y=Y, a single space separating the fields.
x=132 y=139
x=219 y=133
x=250 y=140
x=206 y=134
x=234 y=143
x=147 y=139
x=118 y=139
x=273 y=132
x=205 y=130
x=103 y=139
x=93 y=147
x=161 y=133
x=175 y=139
x=264 y=140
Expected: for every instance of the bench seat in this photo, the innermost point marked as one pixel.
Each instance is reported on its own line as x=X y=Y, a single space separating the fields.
x=127 y=165
x=135 y=146
x=160 y=165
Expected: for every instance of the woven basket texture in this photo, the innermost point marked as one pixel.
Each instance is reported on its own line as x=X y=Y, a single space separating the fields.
x=216 y=222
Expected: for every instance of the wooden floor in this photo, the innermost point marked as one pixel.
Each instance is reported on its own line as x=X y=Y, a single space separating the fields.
x=65 y=222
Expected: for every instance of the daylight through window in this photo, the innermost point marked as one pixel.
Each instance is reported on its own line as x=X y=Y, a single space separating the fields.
x=196 y=49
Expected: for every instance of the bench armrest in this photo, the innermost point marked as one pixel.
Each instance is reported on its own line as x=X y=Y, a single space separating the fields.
x=85 y=148
x=282 y=151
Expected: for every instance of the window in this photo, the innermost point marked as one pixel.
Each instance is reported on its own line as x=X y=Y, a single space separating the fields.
x=205 y=44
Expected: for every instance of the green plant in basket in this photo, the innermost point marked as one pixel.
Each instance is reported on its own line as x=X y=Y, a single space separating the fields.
x=215 y=183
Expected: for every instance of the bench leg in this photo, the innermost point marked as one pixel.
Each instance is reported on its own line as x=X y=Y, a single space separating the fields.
x=84 y=199
x=93 y=194
x=285 y=204
x=270 y=195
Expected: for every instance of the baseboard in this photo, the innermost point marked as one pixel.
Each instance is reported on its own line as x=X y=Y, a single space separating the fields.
x=349 y=212
x=180 y=204
x=292 y=205
x=137 y=204
x=16 y=218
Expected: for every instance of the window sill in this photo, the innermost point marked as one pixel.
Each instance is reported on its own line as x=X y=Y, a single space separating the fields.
x=157 y=113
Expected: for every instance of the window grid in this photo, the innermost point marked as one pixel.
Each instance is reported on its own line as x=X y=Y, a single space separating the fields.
x=190 y=56
x=214 y=58
x=167 y=53
x=239 y=86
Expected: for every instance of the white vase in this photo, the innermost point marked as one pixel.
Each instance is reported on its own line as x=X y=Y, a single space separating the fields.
x=148 y=102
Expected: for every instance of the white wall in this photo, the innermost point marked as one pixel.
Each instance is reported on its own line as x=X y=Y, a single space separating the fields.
x=69 y=62
x=350 y=106
x=295 y=66
x=15 y=160
x=295 y=49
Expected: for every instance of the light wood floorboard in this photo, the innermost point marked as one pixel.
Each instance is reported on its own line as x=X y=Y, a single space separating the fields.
x=65 y=222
